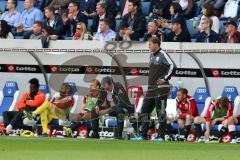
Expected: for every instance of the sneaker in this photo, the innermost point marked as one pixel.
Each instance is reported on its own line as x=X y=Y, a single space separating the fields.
x=68 y=131
x=214 y=140
x=27 y=114
x=199 y=140
x=137 y=138
x=157 y=139
x=181 y=138
x=234 y=141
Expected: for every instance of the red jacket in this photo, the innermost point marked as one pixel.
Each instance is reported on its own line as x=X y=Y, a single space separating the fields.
x=187 y=107
x=215 y=105
x=63 y=102
x=24 y=101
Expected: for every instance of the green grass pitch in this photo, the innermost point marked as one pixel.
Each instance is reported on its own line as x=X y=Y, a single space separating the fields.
x=18 y=148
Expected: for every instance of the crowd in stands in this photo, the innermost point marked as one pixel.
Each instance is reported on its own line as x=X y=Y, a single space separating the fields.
x=209 y=21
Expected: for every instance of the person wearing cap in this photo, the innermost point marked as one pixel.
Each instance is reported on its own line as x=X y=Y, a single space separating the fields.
x=231 y=34
x=179 y=33
x=207 y=35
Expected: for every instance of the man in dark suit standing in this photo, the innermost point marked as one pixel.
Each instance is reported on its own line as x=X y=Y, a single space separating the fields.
x=102 y=14
x=135 y=20
x=112 y=100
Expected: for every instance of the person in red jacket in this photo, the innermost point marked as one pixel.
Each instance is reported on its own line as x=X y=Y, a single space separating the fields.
x=29 y=101
x=187 y=110
x=218 y=111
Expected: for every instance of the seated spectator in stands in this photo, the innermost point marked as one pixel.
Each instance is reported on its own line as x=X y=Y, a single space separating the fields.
x=5 y=30
x=207 y=35
x=208 y=11
x=179 y=32
x=187 y=7
x=217 y=4
x=58 y=108
x=175 y=12
x=60 y=6
x=37 y=30
x=123 y=8
x=153 y=31
x=54 y=21
x=231 y=34
x=134 y=20
x=28 y=17
x=105 y=33
x=29 y=101
x=81 y=32
x=11 y=15
x=88 y=7
x=73 y=18
x=102 y=14
x=125 y=35
x=160 y=8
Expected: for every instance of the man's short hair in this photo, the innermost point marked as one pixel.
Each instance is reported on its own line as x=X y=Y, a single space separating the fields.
x=15 y=2
x=134 y=2
x=34 y=82
x=39 y=23
x=155 y=40
x=97 y=82
x=105 y=20
x=102 y=4
x=107 y=80
x=32 y=1
x=75 y=3
x=208 y=20
x=51 y=9
x=183 y=90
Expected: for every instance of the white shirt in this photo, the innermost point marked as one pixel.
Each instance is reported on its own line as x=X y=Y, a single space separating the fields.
x=183 y=4
x=100 y=17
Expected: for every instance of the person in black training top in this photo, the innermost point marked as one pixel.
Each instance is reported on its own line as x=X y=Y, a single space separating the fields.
x=160 y=71
x=179 y=32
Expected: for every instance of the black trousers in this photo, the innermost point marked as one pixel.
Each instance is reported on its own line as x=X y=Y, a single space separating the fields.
x=149 y=104
x=15 y=117
x=119 y=113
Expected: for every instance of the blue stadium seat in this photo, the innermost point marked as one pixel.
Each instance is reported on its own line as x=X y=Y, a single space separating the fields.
x=18 y=37
x=10 y=96
x=44 y=89
x=230 y=92
x=90 y=22
x=67 y=38
x=3 y=5
x=201 y=95
x=190 y=27
x=111 y=122
x=173 y=94
x=222 y=27
x=20 y=6
x=118 y=23
x=146 y=8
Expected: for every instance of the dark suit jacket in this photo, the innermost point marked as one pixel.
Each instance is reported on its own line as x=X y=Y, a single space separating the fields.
x=57 y=26
x=139 y=23
x=70 y=26
x=95 y=24
x=120 y=98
